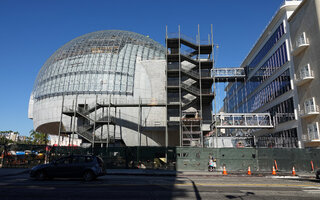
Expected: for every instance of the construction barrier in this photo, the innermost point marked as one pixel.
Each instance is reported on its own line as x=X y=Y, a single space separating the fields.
x=175 y=158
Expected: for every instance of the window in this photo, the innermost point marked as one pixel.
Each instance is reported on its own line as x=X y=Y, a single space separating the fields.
x=267 y=46
x=313 y=131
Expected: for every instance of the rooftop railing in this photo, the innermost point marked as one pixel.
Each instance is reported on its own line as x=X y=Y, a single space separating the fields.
x=190 y=39
x=124 y=101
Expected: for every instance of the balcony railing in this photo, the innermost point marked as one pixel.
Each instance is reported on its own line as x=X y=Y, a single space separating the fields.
x=309 y=111
x=305 y=76
x=192 y=40
x=314 y=136
x=302 y=42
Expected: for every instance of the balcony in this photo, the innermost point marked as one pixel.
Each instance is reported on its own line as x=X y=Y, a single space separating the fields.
x=305 y=77
x=301 y=44
x=314 y=136
x=309 y=111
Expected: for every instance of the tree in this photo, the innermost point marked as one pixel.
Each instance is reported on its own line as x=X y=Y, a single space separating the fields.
x=38 y=137
x=5 y=141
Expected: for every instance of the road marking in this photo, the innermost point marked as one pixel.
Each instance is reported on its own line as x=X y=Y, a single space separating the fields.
x=248 y=184
x=312 y=191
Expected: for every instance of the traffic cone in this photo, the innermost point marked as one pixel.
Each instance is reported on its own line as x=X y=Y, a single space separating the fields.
x=273 y=171
x=224 y=172
x=312 y=167
x=249 y=171
x=293 y=171
x=275 y=165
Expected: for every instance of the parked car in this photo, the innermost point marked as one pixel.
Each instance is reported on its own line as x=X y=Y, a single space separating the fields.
x=318 y=173
x=76 y=166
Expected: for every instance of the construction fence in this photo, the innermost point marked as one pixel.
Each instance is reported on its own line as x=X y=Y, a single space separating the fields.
x=172 y=158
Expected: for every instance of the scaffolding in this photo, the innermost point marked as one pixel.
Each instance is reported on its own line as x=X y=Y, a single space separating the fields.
x=191 y=79
x=102 y=113
x=189 y=86
x=191 y=76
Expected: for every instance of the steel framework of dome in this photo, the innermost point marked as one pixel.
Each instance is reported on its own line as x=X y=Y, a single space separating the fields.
x=101 y=62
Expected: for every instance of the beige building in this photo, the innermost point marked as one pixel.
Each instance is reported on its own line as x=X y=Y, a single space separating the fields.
x=305 y=42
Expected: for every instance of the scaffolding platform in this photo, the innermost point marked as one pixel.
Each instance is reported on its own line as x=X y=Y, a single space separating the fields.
x=243 y=120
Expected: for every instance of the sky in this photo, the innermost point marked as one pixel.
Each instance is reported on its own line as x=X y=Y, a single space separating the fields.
x=32 y=30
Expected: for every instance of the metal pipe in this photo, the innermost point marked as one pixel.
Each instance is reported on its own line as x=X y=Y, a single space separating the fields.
x=61 y=120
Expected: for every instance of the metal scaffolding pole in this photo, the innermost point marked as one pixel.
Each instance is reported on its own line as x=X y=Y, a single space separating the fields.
x=60 y=124
x=69 y=137
x=166 y=120
x=201 y=112
x=180 y=109
x=214 y=91
x=109 y=118
x=102 y=126
x=74 y=120
x=139 y=123
x=94 y=123
x=114 y=126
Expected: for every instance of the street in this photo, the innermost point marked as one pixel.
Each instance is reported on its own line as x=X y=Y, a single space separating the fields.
x=160 y=187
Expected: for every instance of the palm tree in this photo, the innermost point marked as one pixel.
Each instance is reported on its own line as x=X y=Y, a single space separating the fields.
x=38 y=137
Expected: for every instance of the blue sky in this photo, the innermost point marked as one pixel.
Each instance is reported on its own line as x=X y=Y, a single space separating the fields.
x=32 y=30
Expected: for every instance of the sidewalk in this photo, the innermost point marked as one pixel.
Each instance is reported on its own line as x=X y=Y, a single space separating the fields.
x=153 y=172
x=150 y=172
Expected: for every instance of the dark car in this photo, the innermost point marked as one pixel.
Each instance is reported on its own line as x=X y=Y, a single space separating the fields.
x=318 y=173
x=76 y=166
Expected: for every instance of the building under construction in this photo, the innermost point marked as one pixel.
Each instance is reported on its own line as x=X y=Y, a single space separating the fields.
x=122 y=88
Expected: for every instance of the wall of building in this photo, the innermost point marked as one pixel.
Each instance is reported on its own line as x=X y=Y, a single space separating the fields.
x=306 y=20
x=149 y=85
x=269 y=86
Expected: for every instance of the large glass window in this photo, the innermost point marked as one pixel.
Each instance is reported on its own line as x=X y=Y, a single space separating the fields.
x=282 y=139
x=282 y=112
x=266 y=48
x=242 y=90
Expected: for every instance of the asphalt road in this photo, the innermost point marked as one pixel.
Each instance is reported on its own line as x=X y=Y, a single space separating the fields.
x=160 y=187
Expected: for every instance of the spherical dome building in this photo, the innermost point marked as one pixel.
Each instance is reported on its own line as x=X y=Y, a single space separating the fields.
x=104 y=66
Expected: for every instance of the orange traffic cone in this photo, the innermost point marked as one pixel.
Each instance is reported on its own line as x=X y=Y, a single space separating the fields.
x=249 y=171
x=293 y=171
x=224 y=172
x=273 y=171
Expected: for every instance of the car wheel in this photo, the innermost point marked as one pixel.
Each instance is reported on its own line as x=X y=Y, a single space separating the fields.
x=88 y=176
x=40 y=175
